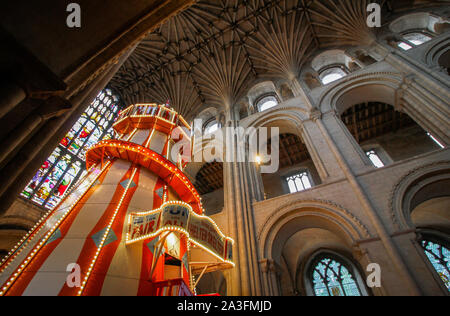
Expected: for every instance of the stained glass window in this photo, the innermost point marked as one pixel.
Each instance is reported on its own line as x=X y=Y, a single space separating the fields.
x=439 y=257
x=67 y=163
x=332 y=278
x=299 y=182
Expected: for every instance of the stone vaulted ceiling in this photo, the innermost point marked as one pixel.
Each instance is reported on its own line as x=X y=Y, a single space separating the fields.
x=209 y=54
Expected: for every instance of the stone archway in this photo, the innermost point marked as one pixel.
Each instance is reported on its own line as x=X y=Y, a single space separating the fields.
x=416 y=188
x=377 y=87
x=296 y=230
x=296 y=152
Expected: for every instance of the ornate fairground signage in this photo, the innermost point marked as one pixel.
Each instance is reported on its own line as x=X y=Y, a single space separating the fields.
x=176 y=216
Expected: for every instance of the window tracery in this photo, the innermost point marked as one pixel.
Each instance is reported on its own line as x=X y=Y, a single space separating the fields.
x=299 y=182
x=332 y=74
x=330 y=277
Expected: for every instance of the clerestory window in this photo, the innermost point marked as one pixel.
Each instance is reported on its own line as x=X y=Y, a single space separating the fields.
x=299 y=182
x=332 y=74
x=266 y=103
x=375 y=159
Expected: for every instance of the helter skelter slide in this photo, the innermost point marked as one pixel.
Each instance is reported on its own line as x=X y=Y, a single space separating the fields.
x=134 y=225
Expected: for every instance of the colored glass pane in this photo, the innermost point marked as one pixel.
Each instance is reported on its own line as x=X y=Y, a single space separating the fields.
x=332 y=278
x=439 y=257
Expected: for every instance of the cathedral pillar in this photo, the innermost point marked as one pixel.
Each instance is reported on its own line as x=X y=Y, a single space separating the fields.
x=426 y=109
x=345 y=141
x=424 y=94
x=264 y=268
x=256 y=182
x=53 y=107
x=371 y=213
x=239 y=195
x=338 y=149
x=323 y=157
x=270 y=278
x=274 y=278
x=10 y=96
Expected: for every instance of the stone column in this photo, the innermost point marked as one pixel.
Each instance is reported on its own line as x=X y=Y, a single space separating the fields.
x=350 y=149
x=53 y=107
x=264 y=268
x=370 y=211
x=235 y=282
x=10 y=96
x=274 y=277
x=18 y=172
x=20 y=133
x=425 y=93
x=323 y=159
x=425 y=108
x=256 y=182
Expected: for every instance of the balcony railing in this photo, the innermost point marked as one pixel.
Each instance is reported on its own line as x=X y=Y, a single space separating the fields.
x=153 y=110
x=175 y=287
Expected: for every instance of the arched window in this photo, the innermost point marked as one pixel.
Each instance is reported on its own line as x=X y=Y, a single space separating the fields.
x=404 y=46
x=67 y=163
x=413 y=39
x=374 y=158
x=299 y=182
x=266 y=103
x=332 y=65
x=332 y=74
x=330 y=276
x=416 y=38
x=439 y=257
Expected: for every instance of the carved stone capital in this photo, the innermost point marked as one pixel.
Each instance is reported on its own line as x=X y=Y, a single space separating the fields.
x=264 y=265
x=315 y=115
